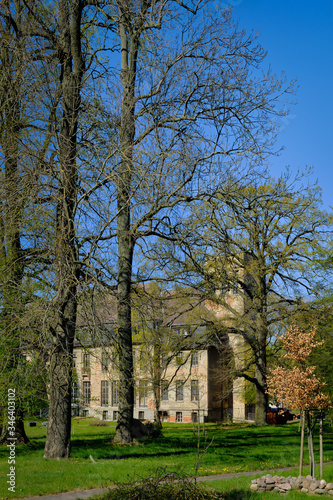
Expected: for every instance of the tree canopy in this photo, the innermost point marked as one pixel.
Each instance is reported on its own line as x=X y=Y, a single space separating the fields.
x=252 y=253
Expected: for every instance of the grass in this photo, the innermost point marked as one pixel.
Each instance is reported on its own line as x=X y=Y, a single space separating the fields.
x=231 y=449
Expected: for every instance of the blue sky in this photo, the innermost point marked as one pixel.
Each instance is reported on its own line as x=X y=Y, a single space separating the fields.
x=298 y=36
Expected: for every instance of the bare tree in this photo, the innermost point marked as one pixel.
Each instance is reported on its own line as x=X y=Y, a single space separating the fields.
x=192 y=105
x=71 y=65
x=18 y=173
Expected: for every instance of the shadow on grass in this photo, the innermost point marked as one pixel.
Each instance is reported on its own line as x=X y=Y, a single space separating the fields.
x=145 y=455
x=236 y=494
x=23 y=449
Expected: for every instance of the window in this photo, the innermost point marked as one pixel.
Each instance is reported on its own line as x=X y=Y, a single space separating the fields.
x=180 y=331
x=115 y=393
x=163 y=416
x=85 y=413
x=195 y=359
x=86 y=393
x=105 y=361
x=179 y=416
x=179 y=359
x=104 y=393
x=75 y=393
x=86 y=363
x=142 y=359
x=74 y=361
x=143 y=393
x=194 y=390
x=141 y=415
x=75 y=412
x=179 y=390
x=164 y=391
x=105 y=415
x=115 y=415
x=194 y=417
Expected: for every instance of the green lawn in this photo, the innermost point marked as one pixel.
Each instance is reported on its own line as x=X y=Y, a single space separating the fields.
x=231 y=450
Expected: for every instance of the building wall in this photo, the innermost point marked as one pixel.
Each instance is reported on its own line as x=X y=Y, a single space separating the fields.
x=201 y=395
x=192 y=373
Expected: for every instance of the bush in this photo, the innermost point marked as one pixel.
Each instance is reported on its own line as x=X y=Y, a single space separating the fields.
x=161 y=487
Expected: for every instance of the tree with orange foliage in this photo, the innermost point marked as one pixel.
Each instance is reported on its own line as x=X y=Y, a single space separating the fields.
x=298 y=386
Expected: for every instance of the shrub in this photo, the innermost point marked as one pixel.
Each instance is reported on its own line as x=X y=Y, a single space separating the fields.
x=161 y=487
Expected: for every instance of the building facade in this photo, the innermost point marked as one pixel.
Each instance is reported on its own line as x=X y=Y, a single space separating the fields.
x=183 y=378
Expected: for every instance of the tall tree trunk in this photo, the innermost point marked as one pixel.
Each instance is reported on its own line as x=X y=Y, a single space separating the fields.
x=63 y=332
x=260 y=374
x=129 y=52
x=156 y=376
x=11 y=207
x=256 y=309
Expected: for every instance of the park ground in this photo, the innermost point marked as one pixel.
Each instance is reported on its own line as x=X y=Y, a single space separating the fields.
x=98 y=463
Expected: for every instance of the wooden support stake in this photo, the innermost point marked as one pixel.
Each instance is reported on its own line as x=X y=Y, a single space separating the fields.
x=302 y=422
x=321 y=443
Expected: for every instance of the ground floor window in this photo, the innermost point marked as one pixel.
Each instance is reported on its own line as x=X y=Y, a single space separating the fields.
x=115 y=415
x=141 y=415
x=250 y=411
x=163 y=416
x=179 y=416
x=75 y=393
x=194 y=416
x=105 y=415
x=75 y=411
x=85 y=413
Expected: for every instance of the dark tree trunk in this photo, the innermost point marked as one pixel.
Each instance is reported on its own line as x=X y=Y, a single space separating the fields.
x=256 y=308
x=63 y=331
x=261 y=376
x=260 y=417
x=20 y=434
x=125 y=238
x=59 y=423
x=261 y=368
